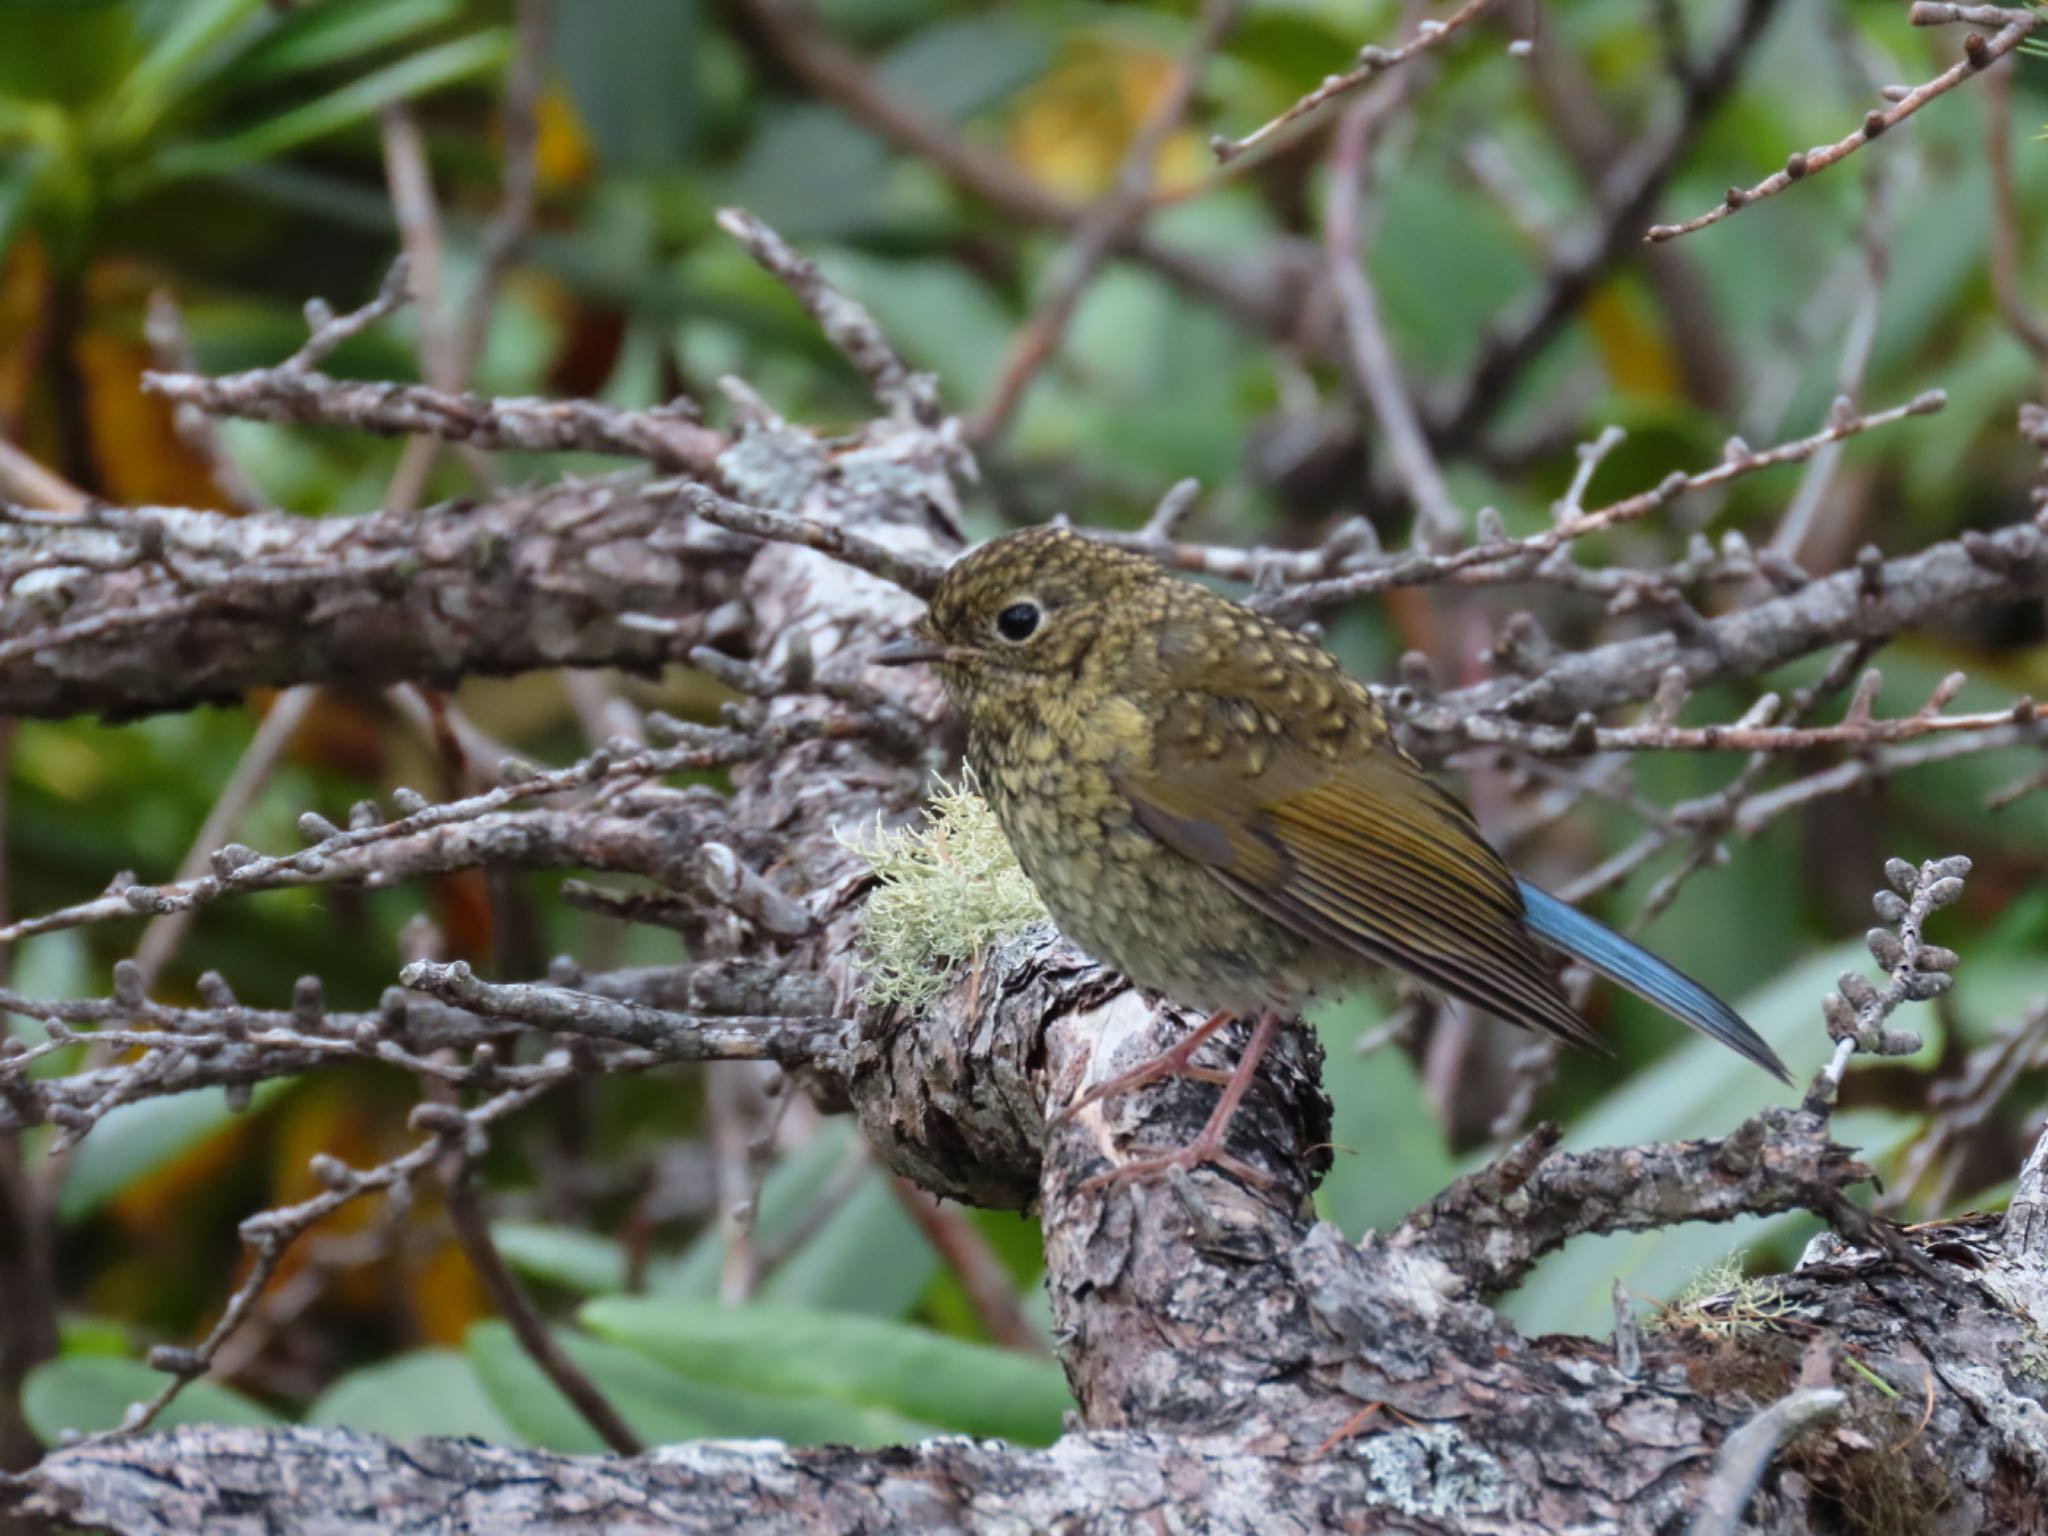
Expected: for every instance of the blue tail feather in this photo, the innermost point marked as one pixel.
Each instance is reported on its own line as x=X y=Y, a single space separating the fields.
x=1629 y=965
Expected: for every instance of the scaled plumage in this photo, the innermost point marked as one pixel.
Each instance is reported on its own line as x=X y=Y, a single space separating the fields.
x=1208 y=803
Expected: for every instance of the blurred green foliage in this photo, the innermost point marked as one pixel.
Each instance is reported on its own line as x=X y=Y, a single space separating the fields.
x=228 y=151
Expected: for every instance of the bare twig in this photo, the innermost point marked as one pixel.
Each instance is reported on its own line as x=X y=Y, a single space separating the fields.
x=1525 y=555
x=846 y=323
x=272 y=1234
x=1492 y=1226
x=24 y=480
x=978 y=1268
x=1795 y=527
x=1753 y=733
x=329 y=330
x=1628 y=196
x=913 y=573
x=237 y=869
x=473 y=1232
x=2026 y=326
x=1918 y=970
x=1373 y=61
x=1746 y=1453
x=1439 y=525
x=669 y=436
x=171 y=351
x=844 y=79
x=673 y=1036
x=252 y=771
x=512 y=220
x=2015 y=26
x=1099 y=230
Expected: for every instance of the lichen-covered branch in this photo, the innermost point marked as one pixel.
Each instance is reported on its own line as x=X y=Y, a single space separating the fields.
x=127 y=611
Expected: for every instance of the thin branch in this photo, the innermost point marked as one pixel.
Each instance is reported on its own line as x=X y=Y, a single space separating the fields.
x=251 y=772
x=913 y=573
x=473 y=1233
x=1491 y=1227
x=2027 y=327
x=791 y=1042
x=846 y=80
x=1628 y=196
x=1751 y=734
x=1099 y=230
x=1439 y=525
x=1796 y=525
x=1524 y=555
x=272 y=1234
x=512 y=221
x=845 y=322
x=238 y=870
x=669 y=436
x=1747 y=1453
x=1373 y=61
x=2014 y=28
x=23 y=479
x=329 y=330
x=974 y=1263
x=170 y=348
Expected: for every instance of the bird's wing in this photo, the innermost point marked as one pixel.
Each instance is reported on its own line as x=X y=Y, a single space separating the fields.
x=1317 y=819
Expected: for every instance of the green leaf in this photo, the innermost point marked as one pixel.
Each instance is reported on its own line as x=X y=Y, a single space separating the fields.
x=812 y=174
x=941 y=316
x=428 y=1392
x=353 y=103
x=973 y=1388
x=201 y=26
x=136 y=1140
x=967 y=65
x=868 y=1256
x=68 y=54
x=1390 y=1152
x=320 y=36
x=629 y=66
x=566 y=1256
x=93 y=1336
x=661 y=1406
x=89 y=1393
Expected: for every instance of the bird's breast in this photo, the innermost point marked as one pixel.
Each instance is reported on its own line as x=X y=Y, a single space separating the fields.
x=1129 y=900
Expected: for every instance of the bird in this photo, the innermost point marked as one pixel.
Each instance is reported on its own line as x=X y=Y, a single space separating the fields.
x=1210 y=805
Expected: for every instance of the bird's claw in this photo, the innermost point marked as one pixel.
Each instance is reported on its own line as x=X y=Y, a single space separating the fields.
x=1197 y=1153
x=1174 y=1061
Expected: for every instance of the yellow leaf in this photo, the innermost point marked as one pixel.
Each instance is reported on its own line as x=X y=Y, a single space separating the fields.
x=1633 y=346
x=562 y=156
x=1073 y=128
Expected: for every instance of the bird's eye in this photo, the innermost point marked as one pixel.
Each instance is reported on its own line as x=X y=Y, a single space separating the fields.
x=1017 y=622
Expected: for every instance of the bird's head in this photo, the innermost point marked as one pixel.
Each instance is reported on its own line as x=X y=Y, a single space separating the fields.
x=1023 y=613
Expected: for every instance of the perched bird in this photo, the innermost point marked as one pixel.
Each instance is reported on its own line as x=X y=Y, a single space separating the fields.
x=1210 y=805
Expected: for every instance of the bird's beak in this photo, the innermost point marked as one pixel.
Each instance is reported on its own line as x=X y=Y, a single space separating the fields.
x=901 y=653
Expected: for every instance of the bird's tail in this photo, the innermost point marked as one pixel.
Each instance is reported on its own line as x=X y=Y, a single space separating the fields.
x=1629 y=965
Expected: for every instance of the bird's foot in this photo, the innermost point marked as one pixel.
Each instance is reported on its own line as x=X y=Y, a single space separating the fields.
x=1174 y=1061
x=1207 y=1148
x=1202 y=1151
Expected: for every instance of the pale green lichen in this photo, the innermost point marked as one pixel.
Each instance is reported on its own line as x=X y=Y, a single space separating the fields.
x=1723 y=1301
x=1431 y=1471
x=947 y=892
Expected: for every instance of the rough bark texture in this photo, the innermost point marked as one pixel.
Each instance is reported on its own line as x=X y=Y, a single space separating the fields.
x=124 y=612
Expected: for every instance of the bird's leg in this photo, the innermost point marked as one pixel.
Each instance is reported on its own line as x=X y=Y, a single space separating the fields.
x=1175 y=1061
x=1208 y=1146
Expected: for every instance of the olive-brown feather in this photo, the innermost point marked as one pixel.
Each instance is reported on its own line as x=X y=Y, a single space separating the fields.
x=1208 y=803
